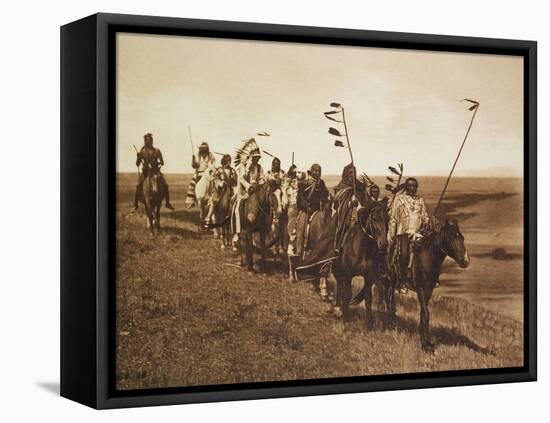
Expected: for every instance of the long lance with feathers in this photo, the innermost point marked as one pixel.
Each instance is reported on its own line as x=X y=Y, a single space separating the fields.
x=333 y=131
x=475 y=108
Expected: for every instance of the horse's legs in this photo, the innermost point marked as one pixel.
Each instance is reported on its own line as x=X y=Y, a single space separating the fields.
x=149 y=214
x=390 y=303
x=157 y=217
x=262 y=251
x=290 y=268
x=323 y=291
x=346 y=297
x=368 y=281
x=249 y=250
x=424 y=327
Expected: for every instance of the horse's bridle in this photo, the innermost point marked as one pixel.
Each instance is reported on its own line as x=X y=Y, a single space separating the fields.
x=367 y=229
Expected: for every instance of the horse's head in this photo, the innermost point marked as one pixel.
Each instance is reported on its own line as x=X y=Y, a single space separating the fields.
x=374 y=221
x=209 y=172
x=276 y=201
x=452 y=243
x=261 y=202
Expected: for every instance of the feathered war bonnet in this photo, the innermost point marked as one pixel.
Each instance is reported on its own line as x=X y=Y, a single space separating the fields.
x=247 y=150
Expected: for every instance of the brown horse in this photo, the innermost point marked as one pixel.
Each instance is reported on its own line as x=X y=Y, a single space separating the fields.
x=152 y=196
x=258 y=212
x=317 y=225
x=426 y=268
x=221 y=214
x=362 y=251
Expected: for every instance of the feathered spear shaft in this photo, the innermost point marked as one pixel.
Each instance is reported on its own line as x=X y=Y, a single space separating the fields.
x=333 y=131
x=474 y=108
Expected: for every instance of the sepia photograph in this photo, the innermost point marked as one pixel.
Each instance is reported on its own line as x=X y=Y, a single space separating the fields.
x=292 y=211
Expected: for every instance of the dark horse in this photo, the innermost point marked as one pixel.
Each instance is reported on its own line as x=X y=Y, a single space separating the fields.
x=426 y=268
x=258 y=212
x=362 y=253
x=221 y=214
x=152 y=196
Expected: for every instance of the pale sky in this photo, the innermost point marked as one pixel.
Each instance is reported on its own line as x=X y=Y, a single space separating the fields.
x=401 y=105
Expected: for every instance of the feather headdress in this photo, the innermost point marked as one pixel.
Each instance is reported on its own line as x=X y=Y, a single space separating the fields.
x=248 y=149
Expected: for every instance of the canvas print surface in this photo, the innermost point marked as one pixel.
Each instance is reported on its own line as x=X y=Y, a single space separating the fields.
x=295 y=211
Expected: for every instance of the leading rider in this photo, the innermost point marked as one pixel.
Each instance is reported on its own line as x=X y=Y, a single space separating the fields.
x=151 y=160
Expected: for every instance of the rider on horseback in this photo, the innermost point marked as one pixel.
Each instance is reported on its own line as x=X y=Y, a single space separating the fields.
x=151 y=159
x=224 y=177
x=276 y=175
x=409 y=221
x=312 y=195
x=374 y=194
x=346 y=203
x=205 y=160
x=249 y=174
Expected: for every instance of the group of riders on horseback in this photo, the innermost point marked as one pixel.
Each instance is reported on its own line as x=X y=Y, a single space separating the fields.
x=390 y=241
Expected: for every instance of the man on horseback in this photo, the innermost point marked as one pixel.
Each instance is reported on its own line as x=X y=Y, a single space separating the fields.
x=346 y=200
x=409 y=221
x=276 y=175
x=224 y=178
x=290 y=191
x=151 y=159
x=249 y=174
x=374 y=194
x=205 y=160
x=312 y=195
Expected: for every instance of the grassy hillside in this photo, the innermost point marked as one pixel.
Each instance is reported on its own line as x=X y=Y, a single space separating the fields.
x=186 y=318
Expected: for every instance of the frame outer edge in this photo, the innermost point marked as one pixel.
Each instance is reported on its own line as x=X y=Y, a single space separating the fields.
x=103 y=179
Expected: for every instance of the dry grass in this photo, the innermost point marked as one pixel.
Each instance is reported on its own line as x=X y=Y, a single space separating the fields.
x=185 y=319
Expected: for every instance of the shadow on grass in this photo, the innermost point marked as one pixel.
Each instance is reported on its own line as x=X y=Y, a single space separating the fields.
x=441 y=335
x=180 y=232
x=185 y=215
x=503 y=257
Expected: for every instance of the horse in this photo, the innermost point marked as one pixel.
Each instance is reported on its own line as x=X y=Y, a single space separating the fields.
x=203 y=190
x=316 y=225
x=259 y=211
x=361 y=253
x=221 y=214
x=152 y=196
x=426 y=267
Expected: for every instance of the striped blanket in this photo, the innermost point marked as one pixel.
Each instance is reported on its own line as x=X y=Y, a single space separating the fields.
x=191 y=199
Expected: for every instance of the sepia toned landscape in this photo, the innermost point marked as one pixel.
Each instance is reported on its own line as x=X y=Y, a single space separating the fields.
x=185 y=317
x=236 y=132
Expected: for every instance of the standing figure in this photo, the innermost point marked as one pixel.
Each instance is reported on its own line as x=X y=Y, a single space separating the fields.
x=204 y=161
x=150 y=158
x=249 y=175
x=409 y=220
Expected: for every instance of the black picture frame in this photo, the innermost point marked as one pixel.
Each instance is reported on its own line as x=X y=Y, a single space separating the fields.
x=88 y=193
